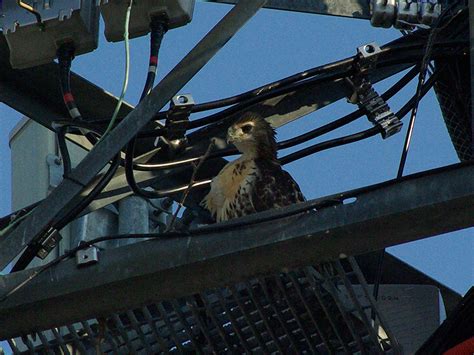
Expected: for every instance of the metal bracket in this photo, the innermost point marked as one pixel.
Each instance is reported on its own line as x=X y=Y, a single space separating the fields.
x=74 y=20
x=377 y=110
x=87 y=256
x=368 y=55
x=177 y=121
x=55 y=168
x=177 y=118
x=49 y=242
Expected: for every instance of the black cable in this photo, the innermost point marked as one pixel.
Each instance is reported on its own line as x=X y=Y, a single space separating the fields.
x=72 y=252
x=292 y=83
x=274 y=85
x=245 y=105
x=316 y=147
x=295 y=140
x=421 y=81
x=344 y=71
x=158 y=30
x=285 y=144
x=387 y=49
x=61 y=136
x=289 y=80
x=330 y=144
x=348 y=118
x=356 y=136
x=65 y=56
x=32 y=250
x=281 y=145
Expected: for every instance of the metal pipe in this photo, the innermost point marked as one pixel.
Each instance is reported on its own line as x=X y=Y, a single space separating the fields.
x=133 y=217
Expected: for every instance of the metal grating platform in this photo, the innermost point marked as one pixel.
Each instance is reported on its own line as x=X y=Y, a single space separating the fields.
x=308 y=310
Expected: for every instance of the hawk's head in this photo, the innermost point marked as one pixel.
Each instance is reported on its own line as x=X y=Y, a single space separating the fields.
x=253 y=135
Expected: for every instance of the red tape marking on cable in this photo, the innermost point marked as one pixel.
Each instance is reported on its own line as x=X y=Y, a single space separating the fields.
x=68 y=97
x=153 y=60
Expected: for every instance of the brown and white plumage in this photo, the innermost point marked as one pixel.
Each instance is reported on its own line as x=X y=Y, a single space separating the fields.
x=254 y=182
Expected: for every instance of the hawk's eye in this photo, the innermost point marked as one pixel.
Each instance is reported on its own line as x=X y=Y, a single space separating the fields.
x=247 y=128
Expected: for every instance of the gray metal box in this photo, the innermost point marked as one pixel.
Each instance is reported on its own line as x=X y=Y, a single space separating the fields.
x=64 y=21
x=177 y=12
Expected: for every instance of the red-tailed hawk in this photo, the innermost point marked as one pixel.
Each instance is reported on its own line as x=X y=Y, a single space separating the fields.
x=254 y=182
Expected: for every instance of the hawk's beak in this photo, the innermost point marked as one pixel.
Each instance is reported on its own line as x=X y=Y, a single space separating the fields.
x=230 y=136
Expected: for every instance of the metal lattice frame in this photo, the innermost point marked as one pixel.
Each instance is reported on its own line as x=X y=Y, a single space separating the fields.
x=308 y=310
x=453 y=93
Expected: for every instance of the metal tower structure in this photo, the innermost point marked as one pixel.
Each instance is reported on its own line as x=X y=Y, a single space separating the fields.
x=272 y=282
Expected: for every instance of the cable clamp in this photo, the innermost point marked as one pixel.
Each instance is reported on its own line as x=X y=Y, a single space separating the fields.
x=87 y=256
x=364 y=95
x=177 y=118
x=176 y=124
x=48 y=242
x=404 y=13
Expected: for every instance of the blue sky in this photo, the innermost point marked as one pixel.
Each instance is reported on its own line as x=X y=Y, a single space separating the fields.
x=275 y=44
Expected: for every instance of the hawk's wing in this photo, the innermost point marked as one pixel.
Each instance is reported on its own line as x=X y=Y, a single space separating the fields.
x=274 y=187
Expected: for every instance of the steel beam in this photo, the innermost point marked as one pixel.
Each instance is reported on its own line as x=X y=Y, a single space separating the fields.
x=382 y=216
x=344 y=8
x=68 y=193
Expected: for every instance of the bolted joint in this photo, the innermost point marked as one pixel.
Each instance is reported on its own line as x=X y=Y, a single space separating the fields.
x=177 y=118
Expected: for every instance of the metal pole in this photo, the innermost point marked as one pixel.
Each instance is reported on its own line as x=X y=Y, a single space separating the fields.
x=133 y=217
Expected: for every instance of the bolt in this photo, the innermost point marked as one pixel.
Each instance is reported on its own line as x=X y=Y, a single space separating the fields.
x=369 y=48
x=182 y=99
